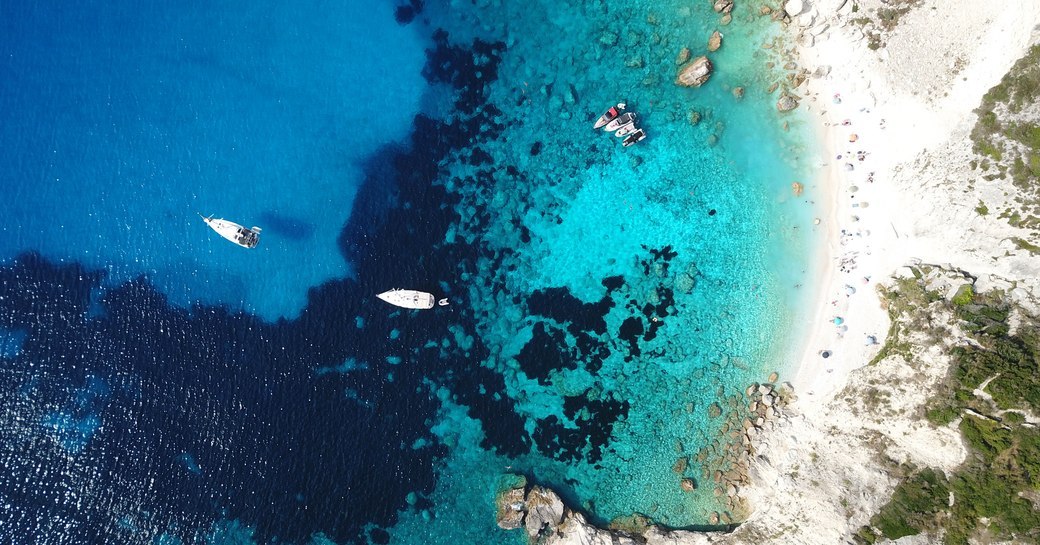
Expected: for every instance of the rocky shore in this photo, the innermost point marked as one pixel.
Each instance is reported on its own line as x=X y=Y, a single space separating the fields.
x=894 y=88
x=541 y=513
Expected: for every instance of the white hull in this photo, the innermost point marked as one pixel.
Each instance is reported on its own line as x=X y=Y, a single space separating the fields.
x=620 y=121
x=609 y=115
x=408 y=299
x=626 y=130
x=246 y=238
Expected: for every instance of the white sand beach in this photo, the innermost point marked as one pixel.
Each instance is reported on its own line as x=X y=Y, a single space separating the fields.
x=904 y=200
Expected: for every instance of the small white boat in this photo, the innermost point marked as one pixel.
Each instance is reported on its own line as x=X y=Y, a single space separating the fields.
x=620 y=121
x=246 y=238
x=420 y=300
x=609 y=116
x=637 y=136
x=626 y=130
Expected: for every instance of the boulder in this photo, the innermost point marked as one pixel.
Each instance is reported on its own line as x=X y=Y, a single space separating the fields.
x=723 y=6
x=794 y=7
x=688 y=484
x=715 y=41
x=786 y=103
x=694 y=73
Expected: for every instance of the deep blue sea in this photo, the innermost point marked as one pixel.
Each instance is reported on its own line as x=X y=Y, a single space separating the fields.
x=159 y=385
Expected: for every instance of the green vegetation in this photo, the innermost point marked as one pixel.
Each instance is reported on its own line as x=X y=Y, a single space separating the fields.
x=883 y=21
x=1014 y=144
x=915 y=507
x=1026 y=245
x=964 y=295
x=982 y=209
x=993 y=492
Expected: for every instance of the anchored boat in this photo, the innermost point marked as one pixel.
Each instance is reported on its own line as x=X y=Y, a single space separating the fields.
x=620 y=121
x=413 y=299
x=636 y=136
x=626 y=130
x=610 y=114
x=246 y=238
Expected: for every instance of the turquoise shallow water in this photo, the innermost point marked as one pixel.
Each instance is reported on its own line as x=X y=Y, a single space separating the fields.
x=159 y=385
x=717 y=193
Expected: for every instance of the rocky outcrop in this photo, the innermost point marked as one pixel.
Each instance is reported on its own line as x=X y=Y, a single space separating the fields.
x=509 y=503
x=548 y=522
x=723 y=6
x=715 y=41
x=794 y=7
x=786 y=103
x=694 y=73
x=544 y=511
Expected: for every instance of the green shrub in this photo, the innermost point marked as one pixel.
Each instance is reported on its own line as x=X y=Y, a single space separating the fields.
x=913 y=506
x=964 y=295
x=942 y=415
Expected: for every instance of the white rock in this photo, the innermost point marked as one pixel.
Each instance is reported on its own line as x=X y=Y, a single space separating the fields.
x=794 y=7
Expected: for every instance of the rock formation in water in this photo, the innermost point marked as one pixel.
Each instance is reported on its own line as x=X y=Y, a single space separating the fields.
x=694 y=73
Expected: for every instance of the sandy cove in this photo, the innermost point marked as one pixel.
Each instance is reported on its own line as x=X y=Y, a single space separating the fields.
x=910 y=108
x=899 y=196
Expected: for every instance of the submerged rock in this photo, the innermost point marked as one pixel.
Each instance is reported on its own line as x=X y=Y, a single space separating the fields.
x=688 y=484
x=695 y=72
x=683 y=56
x=685 y=283
x=714 y=410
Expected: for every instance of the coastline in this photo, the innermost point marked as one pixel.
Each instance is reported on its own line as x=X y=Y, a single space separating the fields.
x=893 y=128
x=914 y=129
x=825 y=468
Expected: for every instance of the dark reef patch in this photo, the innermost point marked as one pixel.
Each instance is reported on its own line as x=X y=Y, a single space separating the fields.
x=591 y=424
x=404 y=14
x=560 y=305
x=547 y=351
x=630 y=330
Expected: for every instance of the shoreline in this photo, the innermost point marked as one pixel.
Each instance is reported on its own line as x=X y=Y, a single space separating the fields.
x=826 y=467
x=912 y=111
